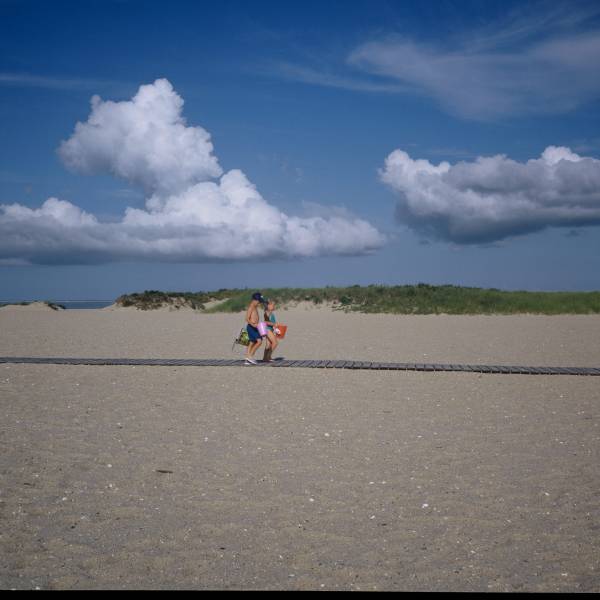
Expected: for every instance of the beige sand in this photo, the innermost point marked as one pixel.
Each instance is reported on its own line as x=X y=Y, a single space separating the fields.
x=121 y=477
x=572 y=340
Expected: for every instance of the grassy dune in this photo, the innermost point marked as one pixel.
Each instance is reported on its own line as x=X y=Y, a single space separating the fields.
x=153 y=299
x=405 y=299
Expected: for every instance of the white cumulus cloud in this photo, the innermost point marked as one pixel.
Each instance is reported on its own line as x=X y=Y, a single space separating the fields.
x=194 y=211
x=493 y=198
x=145 y=141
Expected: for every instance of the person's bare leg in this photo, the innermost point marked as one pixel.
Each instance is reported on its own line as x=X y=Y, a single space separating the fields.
x=271 y=345
x=267 y=350
x=252 y=348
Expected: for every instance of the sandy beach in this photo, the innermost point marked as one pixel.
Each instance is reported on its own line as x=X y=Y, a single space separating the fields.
x=258 y=478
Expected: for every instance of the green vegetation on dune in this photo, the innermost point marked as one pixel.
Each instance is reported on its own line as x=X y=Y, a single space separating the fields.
x=402 y=299
x=153 y=299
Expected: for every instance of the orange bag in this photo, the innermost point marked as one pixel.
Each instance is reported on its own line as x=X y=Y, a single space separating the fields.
x=280 y=331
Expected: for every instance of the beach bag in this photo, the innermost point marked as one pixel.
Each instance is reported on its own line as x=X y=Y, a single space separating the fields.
x=262 y=328
x=242 y=339
x=280 y=331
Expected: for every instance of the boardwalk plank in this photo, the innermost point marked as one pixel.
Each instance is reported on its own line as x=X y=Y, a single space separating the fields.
x=321 y=364
x=279 y=364
x=329 y=364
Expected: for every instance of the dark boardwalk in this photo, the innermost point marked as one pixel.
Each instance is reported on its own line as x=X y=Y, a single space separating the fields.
x=306 y=364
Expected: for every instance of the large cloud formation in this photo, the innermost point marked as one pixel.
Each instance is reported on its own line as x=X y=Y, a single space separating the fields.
x=193 y=211
x=494 y=197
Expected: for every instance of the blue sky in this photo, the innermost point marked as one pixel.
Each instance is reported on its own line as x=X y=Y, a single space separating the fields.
x=328 y=110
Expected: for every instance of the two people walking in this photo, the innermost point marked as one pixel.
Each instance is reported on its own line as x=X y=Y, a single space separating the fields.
x=259 y=330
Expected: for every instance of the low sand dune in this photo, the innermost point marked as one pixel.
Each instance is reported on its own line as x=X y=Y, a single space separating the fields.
x=177 y=305
x=30 y=307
